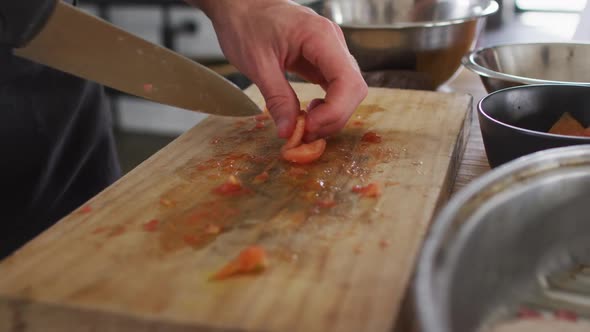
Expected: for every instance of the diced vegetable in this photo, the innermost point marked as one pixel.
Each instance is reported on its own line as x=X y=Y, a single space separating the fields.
x=252 y=259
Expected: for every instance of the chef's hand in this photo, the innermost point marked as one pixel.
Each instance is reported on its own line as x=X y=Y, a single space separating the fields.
x=266 y=38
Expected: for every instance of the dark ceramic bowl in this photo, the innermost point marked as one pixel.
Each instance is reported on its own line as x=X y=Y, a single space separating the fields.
x=515 y=121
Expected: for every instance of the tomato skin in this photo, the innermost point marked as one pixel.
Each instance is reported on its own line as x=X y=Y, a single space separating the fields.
x=305 y=153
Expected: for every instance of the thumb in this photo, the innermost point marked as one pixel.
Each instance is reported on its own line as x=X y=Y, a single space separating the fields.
x=281 y=100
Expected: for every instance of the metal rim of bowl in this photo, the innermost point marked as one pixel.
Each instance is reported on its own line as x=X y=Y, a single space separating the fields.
x=529 y=131
x=469 y=62
x=430 y=318
x=489 y=10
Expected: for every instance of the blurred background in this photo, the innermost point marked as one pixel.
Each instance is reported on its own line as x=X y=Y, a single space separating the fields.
x=143 y=127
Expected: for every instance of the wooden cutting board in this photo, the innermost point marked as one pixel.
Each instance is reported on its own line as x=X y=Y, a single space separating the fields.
x=138 y=256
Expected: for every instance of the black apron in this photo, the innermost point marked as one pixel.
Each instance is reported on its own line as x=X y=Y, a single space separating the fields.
x=56 y=147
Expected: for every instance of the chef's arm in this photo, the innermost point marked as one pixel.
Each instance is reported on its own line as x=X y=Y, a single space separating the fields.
x=21 y=20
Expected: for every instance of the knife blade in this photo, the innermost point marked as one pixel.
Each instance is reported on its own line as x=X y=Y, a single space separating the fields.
x=88 y=47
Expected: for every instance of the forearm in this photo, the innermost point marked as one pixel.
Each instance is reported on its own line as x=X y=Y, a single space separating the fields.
x=21 y=20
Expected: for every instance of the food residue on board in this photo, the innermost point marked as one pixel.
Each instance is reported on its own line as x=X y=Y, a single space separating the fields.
x=371 y=137
x=568 y=125
x=86 y=209
x=100 y=230
x=326 y=203
x=296 y=171
x=251 y=260
x=213 y=229
x=370 y=190
x=232 y=187
x=298 y=152
x=262 y=177
x=148 y=87
x=242 y=160
x=151 y=226
x=167 y=202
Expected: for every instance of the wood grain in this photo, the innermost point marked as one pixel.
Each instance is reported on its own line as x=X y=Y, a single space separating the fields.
x=138 y=256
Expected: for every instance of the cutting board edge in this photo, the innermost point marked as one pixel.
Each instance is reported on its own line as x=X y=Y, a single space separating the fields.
x=25 y=315
x=406 y=319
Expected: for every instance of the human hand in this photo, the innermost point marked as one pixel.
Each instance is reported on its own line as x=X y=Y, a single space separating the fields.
x=266 y=38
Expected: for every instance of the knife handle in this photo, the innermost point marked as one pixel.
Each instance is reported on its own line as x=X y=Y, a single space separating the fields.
x=22 y=20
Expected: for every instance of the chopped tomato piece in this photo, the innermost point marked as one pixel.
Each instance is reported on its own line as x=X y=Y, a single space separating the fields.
x=527 y=313
x=253 y=259
x=296 y=152
x=371 y=137
x=262 y=177
x=370 y=190
x=297 y=136
x=259 y=125
x=305 y=153
x=151 y=226
x=566 y=315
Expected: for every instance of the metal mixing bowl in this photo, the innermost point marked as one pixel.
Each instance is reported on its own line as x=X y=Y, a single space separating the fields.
x=507 y=65
x=426 y=36
x=489 y=246
x=515 y=121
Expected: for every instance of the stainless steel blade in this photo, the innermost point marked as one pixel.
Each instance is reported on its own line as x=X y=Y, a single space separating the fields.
x=88 y=47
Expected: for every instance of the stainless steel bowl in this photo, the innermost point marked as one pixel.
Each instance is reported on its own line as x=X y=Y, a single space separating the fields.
x=427 y=36
x=507 y=65
x=493 y=241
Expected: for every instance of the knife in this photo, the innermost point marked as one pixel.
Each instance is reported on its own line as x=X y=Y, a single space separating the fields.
x=88 y=47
